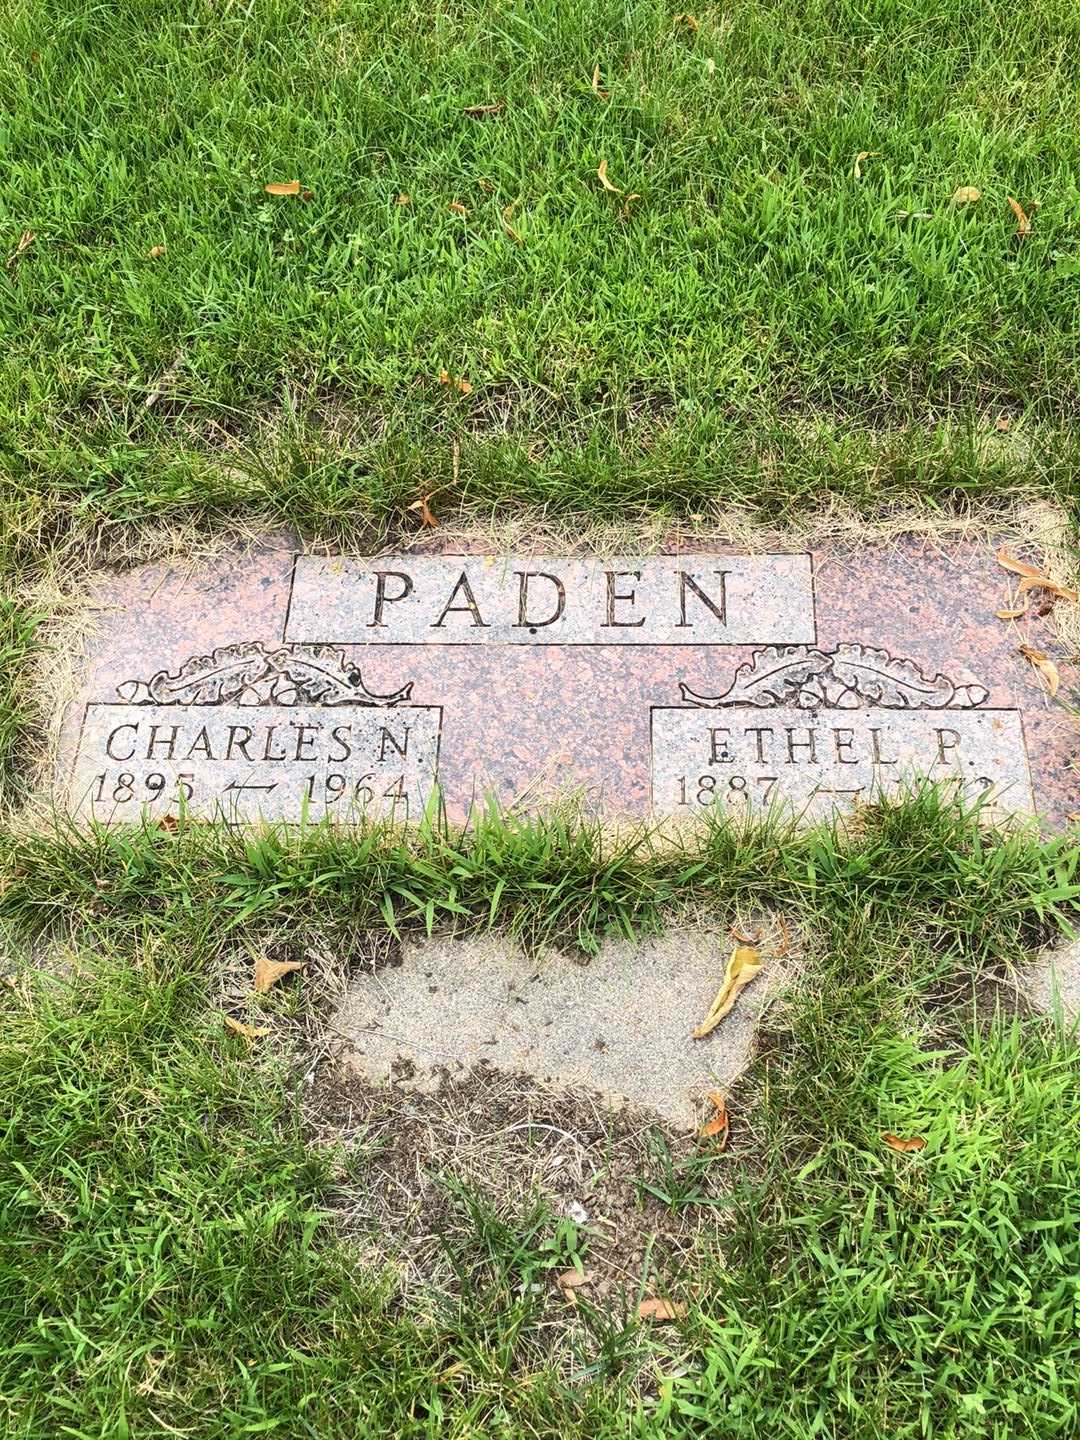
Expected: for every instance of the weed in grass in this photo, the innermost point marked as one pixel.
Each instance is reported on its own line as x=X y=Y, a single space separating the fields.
x=677 y=1181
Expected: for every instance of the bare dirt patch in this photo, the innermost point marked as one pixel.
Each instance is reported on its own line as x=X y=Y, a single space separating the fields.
x=424 y=1131
x=638 y=1193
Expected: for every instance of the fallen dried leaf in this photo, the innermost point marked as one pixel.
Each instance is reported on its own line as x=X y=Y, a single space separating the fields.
x=966 y=195
x=26 y=239
x=269 y=972
x=1016 y=567
x=249 y=1032
x=283 y=187
x=1073 y=816
x=603 y=94
x=507 y=211
x=1045 y=666
x=423 y=509
x=155 y=252
x=860 y=157
x=403 y=199
x=1023 y=224
x=895 y=1142
x=744 y=964
x=661 y=1310
x=1010 y=614
x=459 y=209
x=719 y=1127
x=573 y=1279
x=1043 y=582
x=601 y=171
x=690 y=21
x=464 y=387
x=492 y=109
x=1003 y=423
x=170 y=823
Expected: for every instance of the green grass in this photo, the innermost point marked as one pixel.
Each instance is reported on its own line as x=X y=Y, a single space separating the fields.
x=167 y=1263
x=759 y=327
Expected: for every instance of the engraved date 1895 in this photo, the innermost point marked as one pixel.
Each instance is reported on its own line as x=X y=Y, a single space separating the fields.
x=318 y=792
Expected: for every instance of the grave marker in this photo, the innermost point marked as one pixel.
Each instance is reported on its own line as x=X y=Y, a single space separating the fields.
x=287 y=686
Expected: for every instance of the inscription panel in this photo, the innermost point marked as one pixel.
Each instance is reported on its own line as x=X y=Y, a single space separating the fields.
x=813 y=763
x=525 y=600
x=252 y=762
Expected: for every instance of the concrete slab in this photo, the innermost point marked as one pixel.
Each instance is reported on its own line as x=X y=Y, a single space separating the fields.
x=619 y=1024
x=1055 y=980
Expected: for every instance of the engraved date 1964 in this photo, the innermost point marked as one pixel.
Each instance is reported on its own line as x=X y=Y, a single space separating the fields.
x=318 y=792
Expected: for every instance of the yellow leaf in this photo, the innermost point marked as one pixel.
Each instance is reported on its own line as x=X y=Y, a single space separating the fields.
x=966 y=195
x=403 y=199
x=464 y=387
x=719 y=1127
x=457 y=207
x=249 y=1032
x=1043 y=582
x=1023 y=224
x=1016 y=567
x=603 y=94
x=269 y=972
x=1010 y=614
x=423 y=509
x=601 y=171
x=1045 y=666
x=1003 y=423
x=744 y=965
x=155 y=252
x=661 y=1310
x=860 y=157
x=895 y=1142
x=690 y=21
x=283 y=187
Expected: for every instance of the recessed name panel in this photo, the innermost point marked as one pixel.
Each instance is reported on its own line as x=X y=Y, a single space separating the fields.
x=244 y=763
x=531 y=600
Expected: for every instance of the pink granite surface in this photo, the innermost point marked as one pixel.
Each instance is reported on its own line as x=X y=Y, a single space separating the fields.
x=524 y=722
